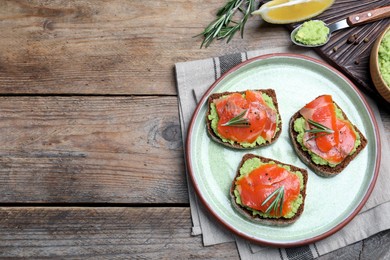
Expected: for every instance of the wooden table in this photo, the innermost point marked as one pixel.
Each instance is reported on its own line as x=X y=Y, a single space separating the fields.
x=91 y=155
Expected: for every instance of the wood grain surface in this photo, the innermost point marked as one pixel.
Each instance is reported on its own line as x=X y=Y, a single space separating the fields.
x=123 y=233
x=91 y=157
x=91 y=149
x=108 y=47
x=103 y=233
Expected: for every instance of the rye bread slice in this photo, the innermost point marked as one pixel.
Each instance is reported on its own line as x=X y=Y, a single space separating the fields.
x=282 y=221
x=270 y=92
x=324 y=170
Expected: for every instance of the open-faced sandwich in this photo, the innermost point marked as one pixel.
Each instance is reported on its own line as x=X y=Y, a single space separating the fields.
x=324 y=138
x=269 y=192
x=244 y=120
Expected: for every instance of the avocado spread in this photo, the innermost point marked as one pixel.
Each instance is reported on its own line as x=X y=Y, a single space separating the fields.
x=312 y=33
x=254 y=163
x=299 y=127
x=384 y=58
x=213 y=116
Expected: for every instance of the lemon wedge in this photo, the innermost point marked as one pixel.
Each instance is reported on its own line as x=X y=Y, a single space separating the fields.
x=291 y=11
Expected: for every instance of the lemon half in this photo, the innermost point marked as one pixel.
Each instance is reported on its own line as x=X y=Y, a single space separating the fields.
x=291 y=11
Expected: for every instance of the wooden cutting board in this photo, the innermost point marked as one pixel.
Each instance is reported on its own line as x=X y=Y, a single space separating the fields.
x=353 y=59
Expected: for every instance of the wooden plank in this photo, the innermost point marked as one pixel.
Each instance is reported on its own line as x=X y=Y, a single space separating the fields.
x=386 y=123
x=103 y=233
x=377 y=247
x=120 y=232
x=91 y=149
x=109 y=47
x=374 y=247
x=346 y=253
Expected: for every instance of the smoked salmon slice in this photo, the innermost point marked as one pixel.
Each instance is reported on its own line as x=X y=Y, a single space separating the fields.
x=333 y=147
x=259 y=118
x=260 y=184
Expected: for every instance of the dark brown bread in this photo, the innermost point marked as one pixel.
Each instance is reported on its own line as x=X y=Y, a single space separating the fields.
x=270 y=92
x=268 y=221
x=323 y=170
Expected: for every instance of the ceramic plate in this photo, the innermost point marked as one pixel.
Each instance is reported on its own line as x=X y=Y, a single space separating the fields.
x=330 y=202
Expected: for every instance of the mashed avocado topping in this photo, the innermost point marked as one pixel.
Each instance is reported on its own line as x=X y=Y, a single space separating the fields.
x=254 y=163
x=384 y=58
x=299 y=127
x=312 y=33
x=213 y=116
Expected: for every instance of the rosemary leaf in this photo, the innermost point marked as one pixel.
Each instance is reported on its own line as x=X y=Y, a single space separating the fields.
x=226 y=31
x=221 y=26
x=316 y=136
x=318 y=129
x=281 y=202
x=277 y=202
x=320 y=126
x=232 y=32
x=238 y=121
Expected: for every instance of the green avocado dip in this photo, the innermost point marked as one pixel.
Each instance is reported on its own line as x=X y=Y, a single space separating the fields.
x=213 y=116
x=254 y=163
x=384 y=58
x=312 y=33
x=299 y=127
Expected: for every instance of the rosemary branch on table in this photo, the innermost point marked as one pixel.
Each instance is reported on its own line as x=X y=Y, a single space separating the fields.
x=224 y=25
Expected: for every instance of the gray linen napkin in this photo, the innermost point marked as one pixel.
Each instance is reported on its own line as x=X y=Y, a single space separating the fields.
x=193 y=79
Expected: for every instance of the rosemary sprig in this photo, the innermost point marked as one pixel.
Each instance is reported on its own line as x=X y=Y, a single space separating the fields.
x=318 y=128
x=224 y=25
x=277 y=202
x=238 y=121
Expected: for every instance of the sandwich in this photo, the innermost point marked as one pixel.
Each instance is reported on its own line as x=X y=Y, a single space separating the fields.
x=324 y=138
x=268 y=191
x=244 y=120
